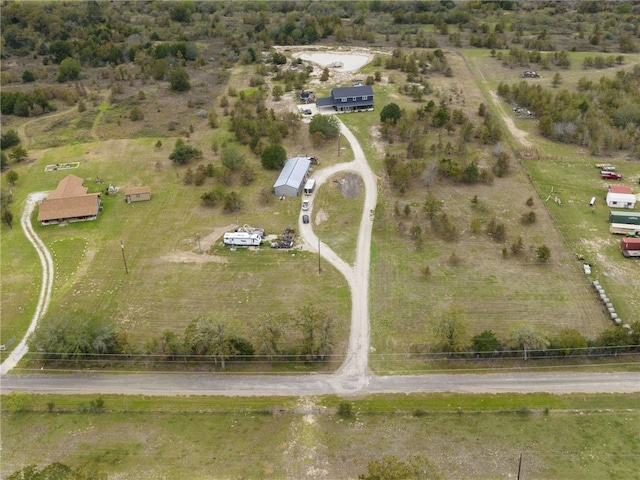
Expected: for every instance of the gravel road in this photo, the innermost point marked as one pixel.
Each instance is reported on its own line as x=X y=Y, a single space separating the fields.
x=47 y=281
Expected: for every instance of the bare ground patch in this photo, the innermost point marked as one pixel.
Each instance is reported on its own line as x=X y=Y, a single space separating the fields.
x=203 y=245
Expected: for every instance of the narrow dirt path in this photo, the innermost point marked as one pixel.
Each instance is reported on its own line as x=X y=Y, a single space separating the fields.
x=21 y=130
x=47 y=281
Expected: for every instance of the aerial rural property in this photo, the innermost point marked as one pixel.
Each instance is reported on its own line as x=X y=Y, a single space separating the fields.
x=318 y=240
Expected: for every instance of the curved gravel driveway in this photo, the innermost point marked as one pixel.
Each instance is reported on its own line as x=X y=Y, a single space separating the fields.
x=47 y=281
x=355 y=365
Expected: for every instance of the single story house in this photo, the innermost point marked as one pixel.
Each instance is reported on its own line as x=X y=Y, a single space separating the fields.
x=137 y=194
x=69 y=202
x=349 y=99
x=619 y=196
x=292 y=177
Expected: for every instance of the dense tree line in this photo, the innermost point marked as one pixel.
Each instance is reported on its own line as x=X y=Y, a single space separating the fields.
x=306 y=334
x=99 y=33
x=602 y=115
x=450 y=336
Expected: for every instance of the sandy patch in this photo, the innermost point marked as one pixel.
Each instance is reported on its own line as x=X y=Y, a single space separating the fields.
x=192 y=257
x=205 y=244
x=321 y=216
x=346 y=62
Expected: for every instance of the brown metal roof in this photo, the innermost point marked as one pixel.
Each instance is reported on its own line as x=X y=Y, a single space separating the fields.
x=70 y=186
x=137 y=190
x=69 y=200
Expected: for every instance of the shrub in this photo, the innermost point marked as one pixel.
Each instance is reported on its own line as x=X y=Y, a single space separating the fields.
x=209 y=199
x=232 y=159
x=391 y=113
x=273 y=157
x=327 y=125
x=232 y=203
x=183 y=153
x=69 y=69
x=529 y=218
x=345 y=410
x=136 y=114
x=28 y=76
x=543 y=253
x=9 y=139
x=179 y=80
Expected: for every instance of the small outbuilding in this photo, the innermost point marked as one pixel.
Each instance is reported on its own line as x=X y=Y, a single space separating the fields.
x=292 y=177
x=137 y=194
x=620 y=196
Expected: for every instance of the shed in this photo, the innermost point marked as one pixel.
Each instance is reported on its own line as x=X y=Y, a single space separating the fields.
x=619 y=196
x=69 y=202
x=292 y=177
x=137 y=194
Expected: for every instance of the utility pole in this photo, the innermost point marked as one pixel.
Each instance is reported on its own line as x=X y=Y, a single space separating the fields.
x=519 y=466
x=319 y=269
x=199 y=246
x=124 y=259
x=338 y=143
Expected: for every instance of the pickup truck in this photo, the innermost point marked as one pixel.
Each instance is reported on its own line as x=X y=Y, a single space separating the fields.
x=610 y=175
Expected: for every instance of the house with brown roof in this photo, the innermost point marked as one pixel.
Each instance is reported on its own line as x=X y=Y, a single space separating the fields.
x=69 y=202
x=137 y=194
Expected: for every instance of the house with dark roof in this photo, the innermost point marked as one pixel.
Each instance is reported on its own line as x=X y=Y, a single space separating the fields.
x=69 y=202
x=292 y=177
x=349 y=99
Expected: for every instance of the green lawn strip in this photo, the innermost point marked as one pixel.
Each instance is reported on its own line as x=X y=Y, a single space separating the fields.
x=467 y=436
x=340 y=228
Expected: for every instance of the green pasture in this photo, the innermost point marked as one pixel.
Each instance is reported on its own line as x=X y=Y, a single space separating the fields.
x=340 y=229
x=569 y=173
x=161 y=291
x=164 y=290
x=567 y=436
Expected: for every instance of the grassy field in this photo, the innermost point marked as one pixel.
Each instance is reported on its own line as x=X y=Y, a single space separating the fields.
x=336 y=218
x=467 y=437
x=166 y=289
x=494 y=291
x=162 y=291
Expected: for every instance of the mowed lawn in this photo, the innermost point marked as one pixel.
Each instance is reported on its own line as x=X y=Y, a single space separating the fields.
x=162 y=290
x=465 y=436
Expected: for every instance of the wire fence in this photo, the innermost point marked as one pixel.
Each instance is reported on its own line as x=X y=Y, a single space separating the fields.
x=383 y=362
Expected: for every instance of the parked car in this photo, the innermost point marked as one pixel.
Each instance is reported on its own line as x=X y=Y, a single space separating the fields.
x=305 y=218
x=305 y=205
x=610 y=175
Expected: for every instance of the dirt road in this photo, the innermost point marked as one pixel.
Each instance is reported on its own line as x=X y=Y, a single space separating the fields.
x=355 y=364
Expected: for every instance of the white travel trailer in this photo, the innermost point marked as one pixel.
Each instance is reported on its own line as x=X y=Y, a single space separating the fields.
x=242 y=239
